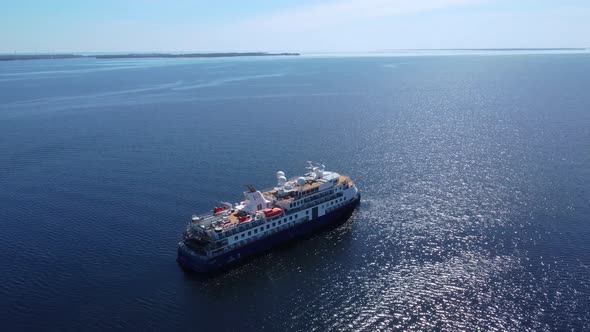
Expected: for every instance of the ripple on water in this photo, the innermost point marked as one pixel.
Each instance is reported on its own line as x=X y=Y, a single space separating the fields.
x=473 y=173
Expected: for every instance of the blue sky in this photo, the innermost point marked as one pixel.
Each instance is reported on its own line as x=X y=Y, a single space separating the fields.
x=289 y=25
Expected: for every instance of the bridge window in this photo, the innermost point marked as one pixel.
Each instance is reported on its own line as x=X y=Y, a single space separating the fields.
x=249 y=233
x=243 y=235
x=235 y=238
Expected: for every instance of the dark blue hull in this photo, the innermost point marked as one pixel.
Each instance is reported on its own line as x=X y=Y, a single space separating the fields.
x=197 y=263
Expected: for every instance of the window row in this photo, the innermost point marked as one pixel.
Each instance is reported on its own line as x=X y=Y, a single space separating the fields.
x=339 y=200
x=255 y=230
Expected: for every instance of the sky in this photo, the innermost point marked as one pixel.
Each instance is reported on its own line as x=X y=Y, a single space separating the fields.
x=289 y=25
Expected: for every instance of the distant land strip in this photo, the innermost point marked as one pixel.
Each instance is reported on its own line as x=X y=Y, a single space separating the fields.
x=8 y=57
x=490 y=49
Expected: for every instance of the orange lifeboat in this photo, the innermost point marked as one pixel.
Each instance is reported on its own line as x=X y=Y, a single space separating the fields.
x=269 y=213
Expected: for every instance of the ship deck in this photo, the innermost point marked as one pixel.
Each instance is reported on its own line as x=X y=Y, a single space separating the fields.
x=310 y=184
x=231 y=219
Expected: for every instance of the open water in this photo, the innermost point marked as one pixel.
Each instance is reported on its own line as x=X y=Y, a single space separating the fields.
x=474 y=172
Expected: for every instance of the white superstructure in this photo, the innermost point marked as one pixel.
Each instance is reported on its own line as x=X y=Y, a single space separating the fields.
x=290 y=203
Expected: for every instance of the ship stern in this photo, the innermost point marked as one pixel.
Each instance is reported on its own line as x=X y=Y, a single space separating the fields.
x=190 y=261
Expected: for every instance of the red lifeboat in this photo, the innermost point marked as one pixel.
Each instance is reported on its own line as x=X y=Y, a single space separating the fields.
x=218 y=209
x=269 y=213
x=244 y=218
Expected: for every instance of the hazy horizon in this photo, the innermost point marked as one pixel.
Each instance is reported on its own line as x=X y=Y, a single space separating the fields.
x=384 y=51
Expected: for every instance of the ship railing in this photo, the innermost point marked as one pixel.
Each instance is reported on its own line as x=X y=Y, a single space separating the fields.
x=313 y=200
x=217 y=251
x=241 y=227
x=277 y=217
x=205 y=218
x=197 y=229
x=229 y=231
x=254 y=223
x=314 y=203
x=208 y=215
x=318 y=195
x=313 y=196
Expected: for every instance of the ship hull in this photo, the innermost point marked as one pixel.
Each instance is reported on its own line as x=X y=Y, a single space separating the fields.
x=190 y=261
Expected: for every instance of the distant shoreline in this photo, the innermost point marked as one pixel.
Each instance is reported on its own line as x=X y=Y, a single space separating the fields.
x=49 y=56
x=489 y=49
x=10 y=57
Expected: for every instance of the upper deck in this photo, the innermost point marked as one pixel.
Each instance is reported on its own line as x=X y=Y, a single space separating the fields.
x=310 y=187
x=227 y=218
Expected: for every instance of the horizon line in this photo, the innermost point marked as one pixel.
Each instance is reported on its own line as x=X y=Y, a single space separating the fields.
x=318 y=51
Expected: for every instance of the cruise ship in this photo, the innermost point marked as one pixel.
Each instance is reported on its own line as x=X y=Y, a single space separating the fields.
x=266 y=218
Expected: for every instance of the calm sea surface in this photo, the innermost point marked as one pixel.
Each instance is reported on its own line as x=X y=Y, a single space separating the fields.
x=474 y=170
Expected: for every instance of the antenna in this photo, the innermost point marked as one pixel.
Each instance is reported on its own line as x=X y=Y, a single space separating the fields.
x=251 y=188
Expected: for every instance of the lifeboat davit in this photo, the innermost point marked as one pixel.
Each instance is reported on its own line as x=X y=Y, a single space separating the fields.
x=269 y=213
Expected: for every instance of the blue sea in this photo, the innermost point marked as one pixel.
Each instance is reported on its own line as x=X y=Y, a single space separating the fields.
x=474 y=171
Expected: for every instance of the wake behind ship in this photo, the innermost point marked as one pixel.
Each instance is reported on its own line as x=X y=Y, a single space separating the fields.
x=293 y=208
